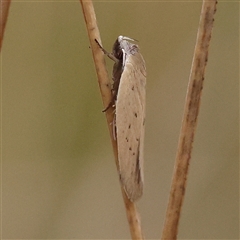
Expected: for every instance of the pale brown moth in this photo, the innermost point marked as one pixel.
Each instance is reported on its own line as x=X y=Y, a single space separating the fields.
x=129 y=80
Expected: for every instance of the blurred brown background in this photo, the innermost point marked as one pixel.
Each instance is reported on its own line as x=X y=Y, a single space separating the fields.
x=59 y=179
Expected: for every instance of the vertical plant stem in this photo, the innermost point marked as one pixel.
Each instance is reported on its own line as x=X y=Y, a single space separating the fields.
x=105 y=89
x=189 y=121
x=4 y=7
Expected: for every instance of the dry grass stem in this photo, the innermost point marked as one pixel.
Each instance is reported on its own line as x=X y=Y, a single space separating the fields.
x=105 y=89
x=189 y=121
x=4 y=7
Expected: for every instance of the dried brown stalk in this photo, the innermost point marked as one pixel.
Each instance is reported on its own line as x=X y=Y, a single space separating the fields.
x=104 y=85
x=189 y=121
x=4 y=7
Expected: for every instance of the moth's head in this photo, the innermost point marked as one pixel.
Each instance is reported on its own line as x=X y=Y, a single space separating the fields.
x=117 y=50
x=124 y=45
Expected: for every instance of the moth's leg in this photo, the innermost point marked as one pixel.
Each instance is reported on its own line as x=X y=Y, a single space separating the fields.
x=124 y=57
x=111 y=104
x=114 y=127
x=110 y=55
x=113 y=123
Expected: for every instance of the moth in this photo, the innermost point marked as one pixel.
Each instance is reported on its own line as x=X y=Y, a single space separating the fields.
x=129 y=80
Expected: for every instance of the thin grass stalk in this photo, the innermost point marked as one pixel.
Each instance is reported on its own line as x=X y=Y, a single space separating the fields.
x=189 y=121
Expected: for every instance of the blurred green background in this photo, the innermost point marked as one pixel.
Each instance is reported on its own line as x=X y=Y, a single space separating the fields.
x=59 y=179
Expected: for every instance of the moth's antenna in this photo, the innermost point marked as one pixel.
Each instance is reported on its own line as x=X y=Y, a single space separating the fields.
x=110 y=55
x=127 y=38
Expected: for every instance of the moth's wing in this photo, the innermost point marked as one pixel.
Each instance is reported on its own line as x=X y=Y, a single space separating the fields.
x=130 y=120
